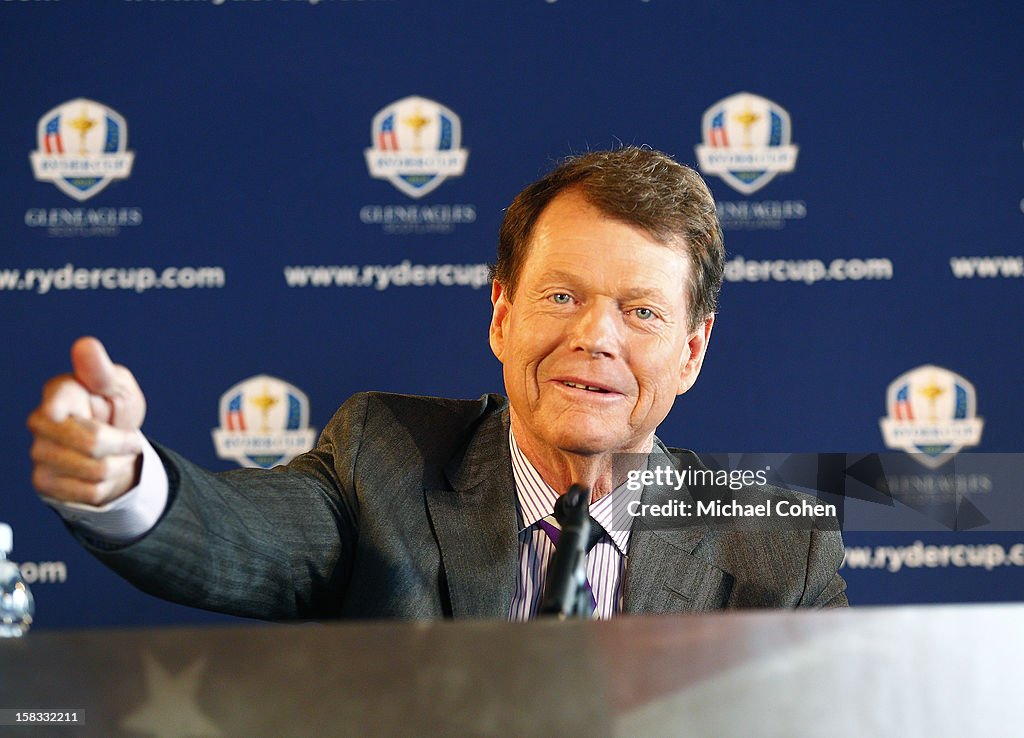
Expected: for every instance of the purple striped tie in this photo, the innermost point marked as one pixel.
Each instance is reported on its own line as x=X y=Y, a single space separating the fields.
x=550 y=526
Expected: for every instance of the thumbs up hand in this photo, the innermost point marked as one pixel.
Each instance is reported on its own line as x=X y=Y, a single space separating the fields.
x=87 y=444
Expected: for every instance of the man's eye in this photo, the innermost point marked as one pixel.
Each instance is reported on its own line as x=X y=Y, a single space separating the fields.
x=560 y=298
x=644 y=313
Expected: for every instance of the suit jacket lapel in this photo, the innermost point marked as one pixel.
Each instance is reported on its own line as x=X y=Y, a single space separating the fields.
x=662 y=574
x=476 y=523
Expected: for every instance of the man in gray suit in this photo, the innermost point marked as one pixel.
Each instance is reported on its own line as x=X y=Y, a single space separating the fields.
x=604 y=297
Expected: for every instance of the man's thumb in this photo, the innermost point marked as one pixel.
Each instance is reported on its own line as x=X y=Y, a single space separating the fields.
x=93 y=367
x=115 y=396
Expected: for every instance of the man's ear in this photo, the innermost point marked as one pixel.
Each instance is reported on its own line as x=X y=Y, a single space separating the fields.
x=500 y=305
x=698 y=346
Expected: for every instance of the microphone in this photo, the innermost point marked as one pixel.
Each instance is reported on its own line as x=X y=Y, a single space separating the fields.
x=565 y=591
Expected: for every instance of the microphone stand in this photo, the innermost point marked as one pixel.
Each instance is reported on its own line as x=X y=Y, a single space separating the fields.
x=565 y=593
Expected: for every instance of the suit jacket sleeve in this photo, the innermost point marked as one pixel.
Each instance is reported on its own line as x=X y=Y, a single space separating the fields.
x=272 y=544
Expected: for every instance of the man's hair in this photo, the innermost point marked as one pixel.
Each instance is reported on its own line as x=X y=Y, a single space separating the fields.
x=637 y=186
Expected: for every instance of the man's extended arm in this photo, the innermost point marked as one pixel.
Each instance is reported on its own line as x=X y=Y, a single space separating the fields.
x=272 y=544
x=263 y=544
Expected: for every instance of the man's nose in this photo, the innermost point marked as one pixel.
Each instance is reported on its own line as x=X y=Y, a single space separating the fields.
x=597 y=328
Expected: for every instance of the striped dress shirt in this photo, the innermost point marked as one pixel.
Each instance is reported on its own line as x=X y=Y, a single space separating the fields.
x=606 y=563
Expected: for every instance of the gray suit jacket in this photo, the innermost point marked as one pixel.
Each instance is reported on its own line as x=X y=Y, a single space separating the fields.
x=407 y=509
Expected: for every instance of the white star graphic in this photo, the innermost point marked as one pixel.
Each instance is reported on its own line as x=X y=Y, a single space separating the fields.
x=170 y=708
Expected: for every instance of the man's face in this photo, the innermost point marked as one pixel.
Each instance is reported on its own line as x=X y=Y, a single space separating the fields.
x=594 y=343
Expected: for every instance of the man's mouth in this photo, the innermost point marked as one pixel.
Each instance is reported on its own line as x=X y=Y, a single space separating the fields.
x=586 y=387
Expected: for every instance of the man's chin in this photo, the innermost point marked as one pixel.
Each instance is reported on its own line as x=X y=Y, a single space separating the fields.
x=591 y=444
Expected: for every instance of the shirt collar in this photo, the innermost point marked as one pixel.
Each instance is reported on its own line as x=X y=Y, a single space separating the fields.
x=537 y=499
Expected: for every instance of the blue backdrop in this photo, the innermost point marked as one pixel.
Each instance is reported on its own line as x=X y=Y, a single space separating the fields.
x=308 y=191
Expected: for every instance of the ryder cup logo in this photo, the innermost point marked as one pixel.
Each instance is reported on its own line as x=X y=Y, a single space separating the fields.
x=746 y=142
x=931 y=415
x=264 y=421
x=416 y=145
x=82 y=148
